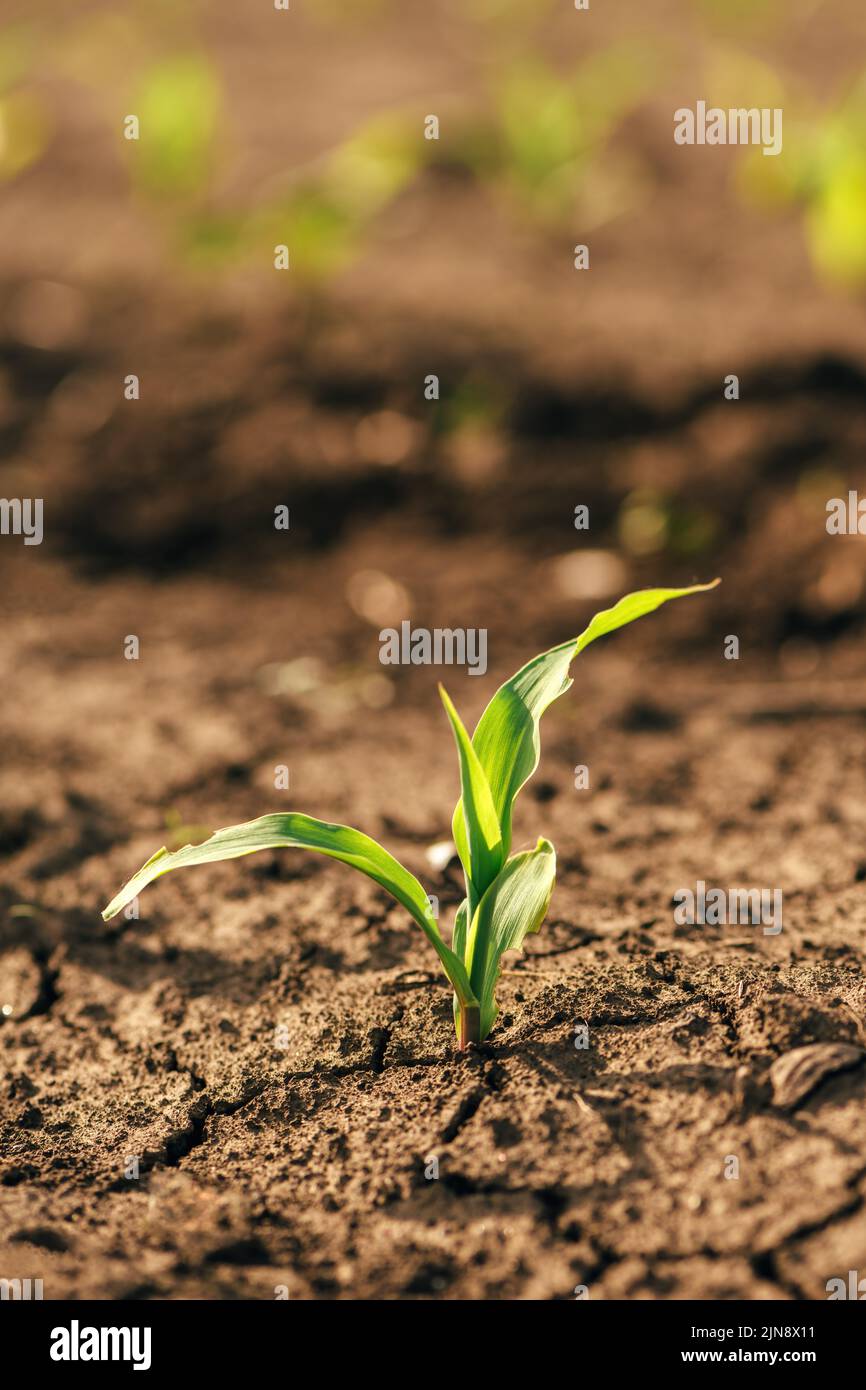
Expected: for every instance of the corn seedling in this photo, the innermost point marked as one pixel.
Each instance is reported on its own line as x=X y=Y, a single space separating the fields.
x=506 y=894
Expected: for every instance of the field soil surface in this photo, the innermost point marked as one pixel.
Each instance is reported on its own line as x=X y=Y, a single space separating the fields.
x=255 y=1085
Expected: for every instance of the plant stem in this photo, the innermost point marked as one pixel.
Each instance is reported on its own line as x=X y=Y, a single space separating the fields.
x=470 y=1025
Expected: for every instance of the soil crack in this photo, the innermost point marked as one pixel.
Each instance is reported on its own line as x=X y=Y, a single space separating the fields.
x=463 y=1114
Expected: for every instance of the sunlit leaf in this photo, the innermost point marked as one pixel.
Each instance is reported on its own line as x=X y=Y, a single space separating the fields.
x=514 y=905
x=507 y=737
x=292 y=830
x=475 y=825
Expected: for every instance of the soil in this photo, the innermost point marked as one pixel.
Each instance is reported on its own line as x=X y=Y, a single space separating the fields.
x=254 y=1088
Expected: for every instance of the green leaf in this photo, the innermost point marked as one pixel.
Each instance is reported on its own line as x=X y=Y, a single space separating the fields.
x=458 y=946
x=507 y=739
x=633 y=606
x=475 y=824
x=291 y=830
x=461 y=926
x=513 y=906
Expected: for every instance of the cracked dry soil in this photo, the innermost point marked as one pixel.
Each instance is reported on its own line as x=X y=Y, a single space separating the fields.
x=301 y=1157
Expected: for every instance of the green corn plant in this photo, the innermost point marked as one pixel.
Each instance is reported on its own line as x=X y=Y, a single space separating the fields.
x=506 y=894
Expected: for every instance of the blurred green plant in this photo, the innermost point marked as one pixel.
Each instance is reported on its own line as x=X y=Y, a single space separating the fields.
x=545 y=131
x=25 y=124
x=821 y=170
x=178 y=105
x=321 y=213
x=325 y=214
x=536 y=145
x=477 y=402
x=17 y=44
x=650 y=522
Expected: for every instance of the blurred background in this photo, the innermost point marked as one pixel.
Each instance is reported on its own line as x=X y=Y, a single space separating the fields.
x=412 y=258
x=454 y=257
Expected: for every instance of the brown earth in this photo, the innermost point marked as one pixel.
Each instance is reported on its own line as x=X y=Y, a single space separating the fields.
x=272 y=1040
x=299 y=1158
